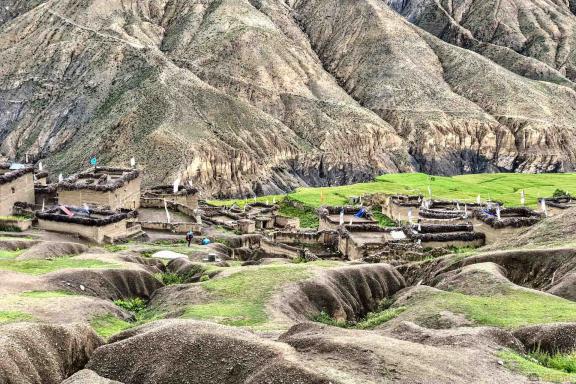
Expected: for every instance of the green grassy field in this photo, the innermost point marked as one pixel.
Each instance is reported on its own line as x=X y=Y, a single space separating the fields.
x=503 y=187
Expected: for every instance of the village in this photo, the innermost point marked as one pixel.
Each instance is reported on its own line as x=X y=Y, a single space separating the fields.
x=107 y=205
x=100 y=264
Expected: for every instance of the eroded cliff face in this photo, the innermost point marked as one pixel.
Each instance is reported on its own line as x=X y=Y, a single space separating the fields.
x=530 y=37
x=247 y=97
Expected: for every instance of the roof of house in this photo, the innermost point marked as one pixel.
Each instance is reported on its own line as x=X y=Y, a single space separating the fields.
x=96 y=218
x=8 y=175
x=103 y=179
x=169 y=190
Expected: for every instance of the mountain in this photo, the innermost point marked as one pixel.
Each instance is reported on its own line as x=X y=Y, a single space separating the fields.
x=260 y=96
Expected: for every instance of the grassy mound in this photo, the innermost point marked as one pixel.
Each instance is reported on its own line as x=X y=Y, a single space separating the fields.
x=513 y=309
x=242 y=296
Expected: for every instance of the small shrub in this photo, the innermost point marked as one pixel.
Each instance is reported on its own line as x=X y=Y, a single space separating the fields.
x=373 y=319
x=170 y=278
x=560 y=361
x=204 y=278
x=134 y=305
x=383 y=220
x=560 y=193
x=324 y=318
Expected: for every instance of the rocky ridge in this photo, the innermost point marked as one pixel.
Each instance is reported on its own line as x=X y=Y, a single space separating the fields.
x=247 y=97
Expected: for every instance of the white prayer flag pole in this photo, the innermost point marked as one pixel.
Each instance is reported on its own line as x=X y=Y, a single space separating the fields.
x=522 y=198
x=133 y=162
x=498 y=212
x=40 y=166
x=167 y=213
x=544 y=210
x=342 y=217
x=60 y=178
x=176 y=185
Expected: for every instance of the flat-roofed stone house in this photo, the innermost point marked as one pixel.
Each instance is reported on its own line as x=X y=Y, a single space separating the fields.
x=99 y=226
x=16 y=184
x=103 y=187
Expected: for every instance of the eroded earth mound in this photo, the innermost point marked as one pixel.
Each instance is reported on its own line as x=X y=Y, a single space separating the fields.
x=43 y=353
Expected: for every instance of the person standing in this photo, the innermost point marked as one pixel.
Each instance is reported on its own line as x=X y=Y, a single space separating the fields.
x=189 y=237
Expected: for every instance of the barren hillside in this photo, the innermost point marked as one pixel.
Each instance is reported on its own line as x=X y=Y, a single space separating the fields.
x=257 y=96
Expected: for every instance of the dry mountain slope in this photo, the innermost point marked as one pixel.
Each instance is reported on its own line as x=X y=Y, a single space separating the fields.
x=258 y=96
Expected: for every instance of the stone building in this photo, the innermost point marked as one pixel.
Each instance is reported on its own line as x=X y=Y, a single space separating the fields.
x=103 y=187
x=186 y=195
x=99 y=226
x=16 y=184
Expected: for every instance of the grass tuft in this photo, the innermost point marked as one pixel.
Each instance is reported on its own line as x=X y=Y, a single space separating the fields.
x=108 y=325
x=14 y=316
x=529 y=366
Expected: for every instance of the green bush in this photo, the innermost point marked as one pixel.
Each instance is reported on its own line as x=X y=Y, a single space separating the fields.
x=560 y=361
x=134 y=305
x=560 y=193
x=170 y=278
x=383 y=220
x=372 y=319
x=204 y=278
x=324 y=318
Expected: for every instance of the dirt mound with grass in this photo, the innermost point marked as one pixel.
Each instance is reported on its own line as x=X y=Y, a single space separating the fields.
x=353 y=356
x=413 y=298
x=52 y=249
x=552 y=231
x=14 y=282
x=111 y=284
x=14 y=244
x=150 y=264
x=187 y=270
x=489 y=337
x=43 y=353
x=549 y=338
x=475 y=279
x=174 y=299
x=87 y=376
x=185 y=351
x=346 y=294
x=548 y=270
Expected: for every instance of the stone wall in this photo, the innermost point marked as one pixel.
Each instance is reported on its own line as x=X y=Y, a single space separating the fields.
x=93 y=233
x=173 y=227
